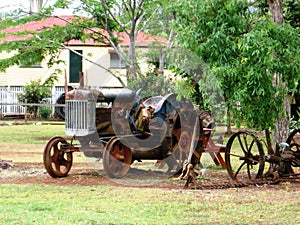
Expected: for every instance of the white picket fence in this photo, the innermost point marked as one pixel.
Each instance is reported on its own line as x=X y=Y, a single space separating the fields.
x=9 y=99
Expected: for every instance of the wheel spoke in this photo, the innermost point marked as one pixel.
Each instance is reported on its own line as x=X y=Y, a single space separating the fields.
x=241 y=144
x=295 y=147
x=251 y=145
x=248 y=170
x=64 y=162
x=246 y=144
x=114 y=163
x=238 y=170
x=54 y=157
x=57 y=166
x=236 y=155
x=294 y=142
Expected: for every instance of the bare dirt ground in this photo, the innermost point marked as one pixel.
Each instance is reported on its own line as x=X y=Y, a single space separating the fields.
x=25 y=167
x=81 y=174
x=34 y=173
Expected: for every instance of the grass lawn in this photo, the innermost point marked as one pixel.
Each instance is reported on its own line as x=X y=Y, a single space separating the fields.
x=39 y=203
x=31 y=133
x=50 y=204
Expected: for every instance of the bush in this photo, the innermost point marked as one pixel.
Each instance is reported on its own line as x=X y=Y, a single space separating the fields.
x=45 y=112
x=35 y=91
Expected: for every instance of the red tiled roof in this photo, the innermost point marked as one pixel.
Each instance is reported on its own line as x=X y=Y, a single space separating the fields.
x=142 y=39
x=37 y=25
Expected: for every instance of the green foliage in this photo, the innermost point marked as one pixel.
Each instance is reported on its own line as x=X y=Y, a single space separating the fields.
x=35 y=91
x=152 y=84
x=191 y=73
x=263 y=53
x=162 y=14
x=291 y=11
x=243 y=51
x=45 y=112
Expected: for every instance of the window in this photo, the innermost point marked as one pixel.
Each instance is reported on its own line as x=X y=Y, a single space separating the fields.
x=115 y=61
x=75 y=66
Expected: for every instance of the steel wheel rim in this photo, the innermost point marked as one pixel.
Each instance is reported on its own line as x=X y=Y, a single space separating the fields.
x=245 y=161
x=117 y=158
x=294 y=142
x=56 y=161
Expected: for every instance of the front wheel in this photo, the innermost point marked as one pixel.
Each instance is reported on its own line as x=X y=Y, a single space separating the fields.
x=117 y=158
x=244 y=156
x=57 y=161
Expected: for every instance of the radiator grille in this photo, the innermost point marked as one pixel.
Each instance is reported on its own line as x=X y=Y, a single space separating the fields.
x=80 y=117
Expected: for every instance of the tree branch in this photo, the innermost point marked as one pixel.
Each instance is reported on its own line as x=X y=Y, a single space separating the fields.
x=113 y=17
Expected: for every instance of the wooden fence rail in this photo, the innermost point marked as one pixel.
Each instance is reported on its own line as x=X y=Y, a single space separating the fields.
x=9 y=99
x=24 y=106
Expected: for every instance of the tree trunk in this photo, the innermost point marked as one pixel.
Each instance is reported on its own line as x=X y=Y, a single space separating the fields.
x=228 y=120
x=275 y=7
x=269 y=142
x=281 y=131
x=162 y=58
x=35 y=5
x=282 y=126
x=131 y=73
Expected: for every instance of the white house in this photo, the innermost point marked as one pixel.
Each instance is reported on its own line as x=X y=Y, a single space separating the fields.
x=90 y=58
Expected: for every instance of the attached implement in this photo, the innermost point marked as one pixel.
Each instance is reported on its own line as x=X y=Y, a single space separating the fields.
x=246 y=159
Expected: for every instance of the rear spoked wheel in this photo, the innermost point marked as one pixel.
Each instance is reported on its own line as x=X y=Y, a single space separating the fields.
x=244 y=156
x=117 y=158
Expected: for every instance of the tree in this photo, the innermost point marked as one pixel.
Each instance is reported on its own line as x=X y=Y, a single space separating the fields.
x=281 y=131
x=160 y=24
x=240 y=48
x=35 y=91
x=216 y=28
x=292 y=12
x=290 y=9
x=281 y=11
x=129 y=18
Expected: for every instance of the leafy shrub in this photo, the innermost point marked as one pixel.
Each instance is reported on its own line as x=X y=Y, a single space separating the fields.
x=45 y=112
x=36 y=91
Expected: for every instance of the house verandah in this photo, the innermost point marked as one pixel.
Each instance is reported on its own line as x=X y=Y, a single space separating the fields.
x=10 y=106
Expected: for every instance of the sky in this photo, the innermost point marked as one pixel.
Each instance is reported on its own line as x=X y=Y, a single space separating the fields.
x=11 y=5
x=8 y=6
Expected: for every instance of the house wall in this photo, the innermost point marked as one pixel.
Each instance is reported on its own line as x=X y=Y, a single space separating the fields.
x=94 y=75
x=19 y=76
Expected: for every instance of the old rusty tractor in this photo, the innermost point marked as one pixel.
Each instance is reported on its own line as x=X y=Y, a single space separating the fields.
x=116 y=125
